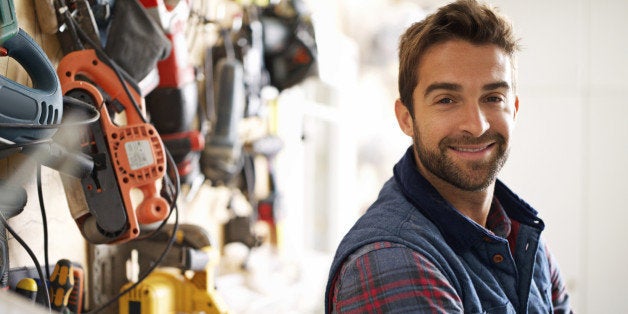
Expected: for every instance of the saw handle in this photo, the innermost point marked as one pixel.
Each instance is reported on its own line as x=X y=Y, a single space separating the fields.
x=42 y=104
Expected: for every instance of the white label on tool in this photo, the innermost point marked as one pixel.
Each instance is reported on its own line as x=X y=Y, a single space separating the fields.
x=139 y=153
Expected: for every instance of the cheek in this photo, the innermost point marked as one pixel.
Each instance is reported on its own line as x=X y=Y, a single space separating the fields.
x=429 y=133
x=504 y=124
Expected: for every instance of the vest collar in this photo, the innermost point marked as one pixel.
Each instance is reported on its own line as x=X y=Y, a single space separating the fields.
x=460 y=232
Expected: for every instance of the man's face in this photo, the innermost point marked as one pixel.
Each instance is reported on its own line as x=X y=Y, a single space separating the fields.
x=464 y=112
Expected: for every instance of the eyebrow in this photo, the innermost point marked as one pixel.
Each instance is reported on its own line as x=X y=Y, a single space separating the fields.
x=496 y=85
x=446 y=86
x=457 y=87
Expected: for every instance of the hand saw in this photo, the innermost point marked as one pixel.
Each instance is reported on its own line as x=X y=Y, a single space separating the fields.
x=127 y=157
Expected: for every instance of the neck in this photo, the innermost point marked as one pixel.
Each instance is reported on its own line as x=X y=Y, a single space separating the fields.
x=473 y=204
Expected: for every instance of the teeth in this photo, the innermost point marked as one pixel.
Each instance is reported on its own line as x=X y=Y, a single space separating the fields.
x=469 y=150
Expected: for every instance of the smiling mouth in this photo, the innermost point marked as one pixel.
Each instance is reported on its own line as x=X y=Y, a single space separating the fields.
x=472 y=149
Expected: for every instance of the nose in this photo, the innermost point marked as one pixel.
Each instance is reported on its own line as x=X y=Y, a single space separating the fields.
x=473 y=120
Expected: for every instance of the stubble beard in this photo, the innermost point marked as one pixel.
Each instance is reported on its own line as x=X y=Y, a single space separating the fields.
x=472 y=176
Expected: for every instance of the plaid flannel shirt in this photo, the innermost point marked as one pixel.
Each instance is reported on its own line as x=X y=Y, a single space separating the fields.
x=390 y=277
x=412 y=251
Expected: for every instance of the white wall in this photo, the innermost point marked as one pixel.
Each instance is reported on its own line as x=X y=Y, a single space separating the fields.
x=571 y=142
x=572 y=139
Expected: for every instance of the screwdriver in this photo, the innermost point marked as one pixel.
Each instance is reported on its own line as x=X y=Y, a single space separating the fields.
x=61 y=284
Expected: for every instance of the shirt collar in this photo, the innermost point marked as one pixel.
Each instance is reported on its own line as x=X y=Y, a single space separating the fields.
x=497 y=221
x=459 y=231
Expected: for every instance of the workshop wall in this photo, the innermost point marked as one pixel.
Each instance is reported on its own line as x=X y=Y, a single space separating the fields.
x=204 y=206
x=65 y=240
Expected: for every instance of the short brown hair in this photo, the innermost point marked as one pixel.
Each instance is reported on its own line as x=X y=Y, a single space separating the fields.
x=464 y=19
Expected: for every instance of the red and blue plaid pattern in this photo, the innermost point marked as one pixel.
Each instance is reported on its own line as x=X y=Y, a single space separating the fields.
x=385 y=277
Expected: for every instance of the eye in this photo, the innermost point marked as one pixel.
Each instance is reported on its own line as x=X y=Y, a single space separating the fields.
x=445 y=101
x=494 y=99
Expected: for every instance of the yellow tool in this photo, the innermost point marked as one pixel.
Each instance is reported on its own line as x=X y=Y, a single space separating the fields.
x=27 y=287
x=61 y=284
x=169 y=290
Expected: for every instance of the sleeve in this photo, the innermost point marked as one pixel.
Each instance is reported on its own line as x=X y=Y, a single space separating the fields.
x=391 y=278
x=560 y=297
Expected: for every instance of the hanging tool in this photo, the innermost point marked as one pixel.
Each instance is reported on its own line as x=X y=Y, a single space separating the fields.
x=269 y=207
x=174 y=103
x=67 y=33
x=127 y=157
x=29 y=117
x=37 y=106
x=8 y=20
x=290 y=51
x=135 y=41
x=221 y=159
x=168 y=289
x=192 y=253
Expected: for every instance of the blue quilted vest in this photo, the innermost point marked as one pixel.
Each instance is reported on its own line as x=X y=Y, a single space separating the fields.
x=411 y=212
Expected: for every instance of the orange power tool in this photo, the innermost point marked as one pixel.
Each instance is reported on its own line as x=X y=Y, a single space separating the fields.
x=126 y=157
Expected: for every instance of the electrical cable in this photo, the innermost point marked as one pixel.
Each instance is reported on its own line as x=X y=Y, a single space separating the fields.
x=44 y=221
x=63 y=9
x=22 y=145
x=173 y=195
x=177 y=187
x=32 y=255
x=105 y=58
x=4 y=250
x=171 y=165
x=103 y=55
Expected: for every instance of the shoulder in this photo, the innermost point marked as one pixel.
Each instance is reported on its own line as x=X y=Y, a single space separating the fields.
x=394 y=276
x=392 y=225
x=388 y=259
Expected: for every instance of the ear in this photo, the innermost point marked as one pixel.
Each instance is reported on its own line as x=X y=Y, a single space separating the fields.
x=404 y=118
x=516 y=107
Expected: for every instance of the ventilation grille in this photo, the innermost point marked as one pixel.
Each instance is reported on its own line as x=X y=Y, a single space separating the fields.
x=49 y=114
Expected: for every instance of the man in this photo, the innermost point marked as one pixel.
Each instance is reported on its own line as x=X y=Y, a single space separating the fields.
x=444 y=235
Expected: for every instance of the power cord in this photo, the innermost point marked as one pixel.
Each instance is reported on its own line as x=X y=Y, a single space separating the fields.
x=103 y=55
x=174 y=187
x=32 y=255
x=173 y=200
x=44 y=221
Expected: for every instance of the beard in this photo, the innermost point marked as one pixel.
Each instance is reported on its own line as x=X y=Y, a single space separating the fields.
x=470 y=176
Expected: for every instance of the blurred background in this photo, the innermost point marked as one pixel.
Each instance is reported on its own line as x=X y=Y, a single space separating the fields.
x=570 y=145
x=340 y=140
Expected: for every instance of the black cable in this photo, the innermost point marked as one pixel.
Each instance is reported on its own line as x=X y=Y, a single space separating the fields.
x=63 y=8
x=105 y=58
x=171 y=163
x=173 y=195
x=149 y=271
x=44 y=221
x=32 y=255
x=102 y=54
x=4 y=250
x=21 y=145
x=177 y=188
